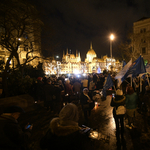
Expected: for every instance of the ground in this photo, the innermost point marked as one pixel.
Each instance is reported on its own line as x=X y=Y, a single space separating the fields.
x=101 y=119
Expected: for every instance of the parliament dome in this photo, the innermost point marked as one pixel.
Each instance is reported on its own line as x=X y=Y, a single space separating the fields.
x=91 y=52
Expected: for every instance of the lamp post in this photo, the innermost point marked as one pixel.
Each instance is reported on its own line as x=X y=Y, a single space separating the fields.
x=111 y=39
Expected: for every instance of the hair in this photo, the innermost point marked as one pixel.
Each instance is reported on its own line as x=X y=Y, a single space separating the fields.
x=85 y=90
x=147 y=88
x=119 y=92
x=68 y=81
x=130 y=90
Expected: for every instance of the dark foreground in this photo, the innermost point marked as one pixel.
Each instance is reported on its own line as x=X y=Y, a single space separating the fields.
x=101 y=120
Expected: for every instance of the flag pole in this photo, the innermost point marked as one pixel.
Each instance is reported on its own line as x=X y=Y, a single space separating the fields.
x=131 y=77
x=148 y=80
x=114 y=88
x=140 y=85
x=131 y=81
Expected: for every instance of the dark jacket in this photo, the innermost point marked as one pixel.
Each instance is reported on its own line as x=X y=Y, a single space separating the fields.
x=57 y=92
x=131 y=101
x=49 y=92
x=117 y=101
x=11 y=135
x=84 y=99
x=65 y=138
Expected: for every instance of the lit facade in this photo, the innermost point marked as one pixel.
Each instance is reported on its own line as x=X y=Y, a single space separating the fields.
x=72 y=64
x=22 y=53
x=141 y=38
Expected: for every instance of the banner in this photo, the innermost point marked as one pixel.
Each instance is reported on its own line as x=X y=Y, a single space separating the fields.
x=109 y=83
x=124 y=63
x=124 y=70
x=135 y=69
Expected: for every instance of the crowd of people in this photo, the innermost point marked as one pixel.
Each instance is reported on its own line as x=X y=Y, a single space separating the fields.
x=56 y=92
x=59 y=96
x=127 y=102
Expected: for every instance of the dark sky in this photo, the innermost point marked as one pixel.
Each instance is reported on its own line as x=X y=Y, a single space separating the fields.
x=73 y=24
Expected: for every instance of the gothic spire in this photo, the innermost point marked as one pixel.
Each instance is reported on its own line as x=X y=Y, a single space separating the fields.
x=91 y=46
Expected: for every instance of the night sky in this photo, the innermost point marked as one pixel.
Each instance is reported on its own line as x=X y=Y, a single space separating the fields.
x=73 y=24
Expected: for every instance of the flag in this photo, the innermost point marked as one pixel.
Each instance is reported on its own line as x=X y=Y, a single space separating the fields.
x=124 y=63
x=135 y=69
x=124 y=70
x=109 y=83
x=98 y=70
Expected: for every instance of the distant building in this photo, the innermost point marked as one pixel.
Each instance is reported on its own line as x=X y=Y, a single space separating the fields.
x=71 y=63
x=141 y=37
x=92 y=64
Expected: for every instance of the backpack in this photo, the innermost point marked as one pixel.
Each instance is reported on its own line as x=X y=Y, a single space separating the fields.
x=121 y=110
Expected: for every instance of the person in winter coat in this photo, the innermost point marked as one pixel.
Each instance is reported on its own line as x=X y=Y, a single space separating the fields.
x=118 y=100
x=64 y=132
x=58 y=88
x=87 y=103
x=91 y=86
x=12 y=137
x=131 y=105
x=48 y=96
x=145 y=108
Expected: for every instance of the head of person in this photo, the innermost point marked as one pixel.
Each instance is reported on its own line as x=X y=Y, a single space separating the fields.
x=49 y=81
x=39 y=79
x=130 y=90
x=147 y=88
x=68 y=81
x=119 y=92
x=67 y=122
x=69 y=114
x=14 y=111
x=60 y=82
x=85 y=91
x=119 y=97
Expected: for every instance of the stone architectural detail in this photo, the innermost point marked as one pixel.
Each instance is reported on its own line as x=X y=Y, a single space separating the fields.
x=72 y=64
x=141 y=38
x=90 y=55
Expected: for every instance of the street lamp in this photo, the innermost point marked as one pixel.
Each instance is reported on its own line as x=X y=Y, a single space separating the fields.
x=111 y=39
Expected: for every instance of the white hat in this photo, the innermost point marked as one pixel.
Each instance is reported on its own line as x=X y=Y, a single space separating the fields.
x=119 y=92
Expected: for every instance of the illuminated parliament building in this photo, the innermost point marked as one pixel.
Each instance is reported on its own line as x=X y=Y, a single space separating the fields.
x=72 y=63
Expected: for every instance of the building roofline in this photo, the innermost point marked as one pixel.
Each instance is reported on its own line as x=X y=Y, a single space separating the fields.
x=143 y=18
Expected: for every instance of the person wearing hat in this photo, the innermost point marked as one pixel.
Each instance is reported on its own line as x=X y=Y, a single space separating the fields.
x=65 y=133
x=12 y=136
x=117 y=102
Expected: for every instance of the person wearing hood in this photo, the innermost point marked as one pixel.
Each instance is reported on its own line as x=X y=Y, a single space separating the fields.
x=12 y=137
x=117 y=101
x=64 y=132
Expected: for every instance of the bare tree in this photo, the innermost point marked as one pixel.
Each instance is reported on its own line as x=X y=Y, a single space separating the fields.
x=20 y=28
x=127 y=50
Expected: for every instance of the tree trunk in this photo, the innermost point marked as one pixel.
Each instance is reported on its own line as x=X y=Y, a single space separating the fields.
x=4 y=77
